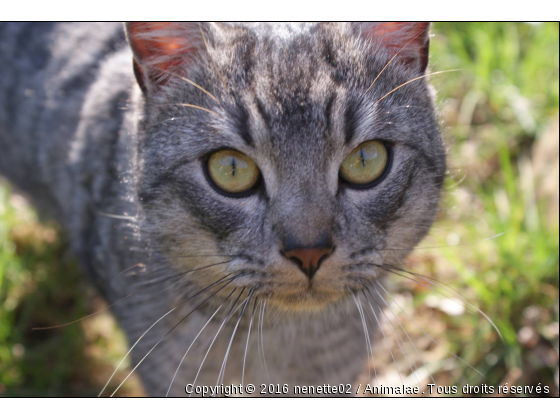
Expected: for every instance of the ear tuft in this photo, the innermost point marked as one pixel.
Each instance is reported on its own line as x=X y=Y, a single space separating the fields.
x=161 y=49
x=410 y=40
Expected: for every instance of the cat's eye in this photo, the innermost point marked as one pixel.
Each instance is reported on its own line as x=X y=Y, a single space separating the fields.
x=232 y=171
x=365 y=164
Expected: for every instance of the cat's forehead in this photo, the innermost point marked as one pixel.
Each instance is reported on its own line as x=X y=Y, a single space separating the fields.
x=287 y=92
x=280 y=31
x=282 y=89
x=281 y=48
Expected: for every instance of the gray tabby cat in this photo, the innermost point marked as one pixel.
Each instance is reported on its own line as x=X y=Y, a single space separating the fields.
x=243 y=188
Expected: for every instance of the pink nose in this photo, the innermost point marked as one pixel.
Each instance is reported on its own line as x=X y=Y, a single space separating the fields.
x=308 y=259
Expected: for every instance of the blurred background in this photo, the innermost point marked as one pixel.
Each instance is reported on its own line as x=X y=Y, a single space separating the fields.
x=494 y=244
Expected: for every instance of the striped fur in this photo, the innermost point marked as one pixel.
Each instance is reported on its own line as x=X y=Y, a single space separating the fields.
x=116 y=156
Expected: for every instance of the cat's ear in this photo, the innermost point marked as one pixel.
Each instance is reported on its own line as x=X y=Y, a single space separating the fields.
x=162 y=49
x=408 y=41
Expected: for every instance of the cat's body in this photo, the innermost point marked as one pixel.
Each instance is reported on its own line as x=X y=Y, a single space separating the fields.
x=120 y=169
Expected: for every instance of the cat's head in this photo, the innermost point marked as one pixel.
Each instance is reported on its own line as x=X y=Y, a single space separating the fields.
x=306 y=155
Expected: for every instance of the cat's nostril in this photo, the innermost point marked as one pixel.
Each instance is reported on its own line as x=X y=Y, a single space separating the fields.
x=308 y=259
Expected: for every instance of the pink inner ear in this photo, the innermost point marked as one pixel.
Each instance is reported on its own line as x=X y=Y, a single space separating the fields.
x=161 y=47
x=397 y=35
x=408 y=41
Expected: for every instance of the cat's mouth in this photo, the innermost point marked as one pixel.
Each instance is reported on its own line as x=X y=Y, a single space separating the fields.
x=307 y=300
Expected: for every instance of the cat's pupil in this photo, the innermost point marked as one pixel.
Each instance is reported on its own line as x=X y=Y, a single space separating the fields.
x=232 y=171
x=365 y=163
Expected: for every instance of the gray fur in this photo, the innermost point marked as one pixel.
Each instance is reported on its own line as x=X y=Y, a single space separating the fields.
x=121 y=171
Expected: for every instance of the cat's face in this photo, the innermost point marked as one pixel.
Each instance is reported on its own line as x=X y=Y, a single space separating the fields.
x=295 y=102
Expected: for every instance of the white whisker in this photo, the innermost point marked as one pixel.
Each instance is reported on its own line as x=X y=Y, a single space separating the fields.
x=430 y=337
x=404 y=330
x=263 y=360
x=384 y=338
x=439 y=289
x=247 y=346
x=200 y=332
x=232 y=312
x=131 y=348
x=369 y=349
x=222 y=372
x=175 y=326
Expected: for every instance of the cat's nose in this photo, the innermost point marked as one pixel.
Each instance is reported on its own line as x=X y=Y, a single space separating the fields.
x=309 y=259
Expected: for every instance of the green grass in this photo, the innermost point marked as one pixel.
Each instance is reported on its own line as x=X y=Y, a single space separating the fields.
x=513 y=74
x=40 y=287
x=498 y=113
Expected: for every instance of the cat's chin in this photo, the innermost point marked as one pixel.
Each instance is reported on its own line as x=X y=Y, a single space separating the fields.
x=309 y=300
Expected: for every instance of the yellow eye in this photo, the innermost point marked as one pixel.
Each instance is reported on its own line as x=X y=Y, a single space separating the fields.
x=232 y=171
x=365 y=163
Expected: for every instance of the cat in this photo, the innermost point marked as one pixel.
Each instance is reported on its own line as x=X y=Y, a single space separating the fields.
x=238 y=191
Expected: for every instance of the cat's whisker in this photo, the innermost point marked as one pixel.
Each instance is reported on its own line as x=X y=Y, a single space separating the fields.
x=445 y=246
x=192 y=106
x=369 y=349
x=405 y=332
x=413 y=80
x=185 y=79
x=194 y=340
x=131 y=267
x=200 y=88
x=435 y=288
x=224 y=279
x=130 y=350
x=112 y=304
x=428 y=335
x=463 y=300
x=172 y=119
x=261 y=341
x=194 y=270
x=117 y=216
x=427 y=279
x=395 y=334
x=412 y=106
x=231 y=312
x=365 y=336
x=259 y=333
x=247 y=344
x=383 y=69
x=424 y=283
x=384 y=337
x=457 y=182
x=222 y=372
x=395 y=56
